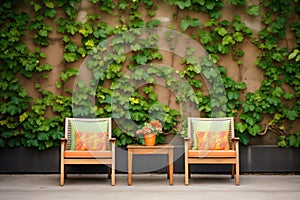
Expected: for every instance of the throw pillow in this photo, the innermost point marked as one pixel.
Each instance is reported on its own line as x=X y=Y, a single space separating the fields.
x=212 y=140
x=84 y=126
x=208 y=126
x=90 y=140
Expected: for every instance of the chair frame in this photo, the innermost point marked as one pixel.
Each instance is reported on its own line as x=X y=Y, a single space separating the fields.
x=74 y=157
x=212 y=156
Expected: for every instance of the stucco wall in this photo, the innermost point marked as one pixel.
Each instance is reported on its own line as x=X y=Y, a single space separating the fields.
x=246 y=72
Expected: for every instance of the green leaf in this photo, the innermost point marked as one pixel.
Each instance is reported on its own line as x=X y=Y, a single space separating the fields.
x=293 y=54
x=282 y=143
x=135 y=47
x=99 y=33
x=147 y=90
x=288 y=95
x=13 y=142
x=138 y=116
x=291 y=114
x=49 y=4
x=221 y=31
x=43 y=136
x=72 y=29
x=36 y=6
x=215 y=14
x=56 y=134
x=153 y=96
x=205 y=37
x=233 y=95
x=240 y=86
x=277 y=92
x=188 y=22
x=238 y=36
x=210 y=5
x=32 y=143
x=13 y=109
x=244 y=139
x=141 y=59
x=49 y=143
x=274 y=100
x=293 y=140
x=241 y=127
x=248 y=119
x=70 y=57
x=51 y=13
x=227 y=40
x=152 y=23
x=254 y=130
x=181 y=4
x=253 y=10
x=237 y=2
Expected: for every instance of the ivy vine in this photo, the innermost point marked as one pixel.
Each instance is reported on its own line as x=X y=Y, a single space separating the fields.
x=38 y=120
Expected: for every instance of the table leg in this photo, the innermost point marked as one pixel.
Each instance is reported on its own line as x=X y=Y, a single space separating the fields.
x=129 y=166
x=168 y=171
x=171 y=166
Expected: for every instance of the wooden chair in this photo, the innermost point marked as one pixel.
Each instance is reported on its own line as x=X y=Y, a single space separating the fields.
x=211 y=133
x=88 y=141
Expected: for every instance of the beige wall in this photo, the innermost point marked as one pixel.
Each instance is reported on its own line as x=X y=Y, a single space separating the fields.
x=247 y=72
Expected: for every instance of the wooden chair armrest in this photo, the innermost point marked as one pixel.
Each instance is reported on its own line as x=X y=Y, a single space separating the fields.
x=187 y=142
x=63 y=139
x=235 y=139
x=112 y=139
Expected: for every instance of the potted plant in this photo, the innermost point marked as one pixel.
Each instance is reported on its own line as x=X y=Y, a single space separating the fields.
x=149 y=132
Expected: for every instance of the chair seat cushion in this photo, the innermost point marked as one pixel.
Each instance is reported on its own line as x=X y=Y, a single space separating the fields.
x=87 y=154
x=211 y=153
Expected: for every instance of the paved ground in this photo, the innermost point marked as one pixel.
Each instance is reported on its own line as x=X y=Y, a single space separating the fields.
x=149 y=186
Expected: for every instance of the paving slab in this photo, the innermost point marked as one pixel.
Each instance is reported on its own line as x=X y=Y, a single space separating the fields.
x=149 y=187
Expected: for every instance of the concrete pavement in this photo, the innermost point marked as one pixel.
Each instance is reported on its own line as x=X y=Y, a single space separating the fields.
x=149 y=186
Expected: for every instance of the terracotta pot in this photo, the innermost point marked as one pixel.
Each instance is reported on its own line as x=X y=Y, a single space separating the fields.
x=150 y=139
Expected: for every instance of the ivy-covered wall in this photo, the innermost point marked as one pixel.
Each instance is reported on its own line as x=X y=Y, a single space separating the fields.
x=253 y=43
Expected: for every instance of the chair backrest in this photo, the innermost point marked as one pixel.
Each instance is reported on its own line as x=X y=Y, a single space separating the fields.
x=210 y=124
x=87 y=125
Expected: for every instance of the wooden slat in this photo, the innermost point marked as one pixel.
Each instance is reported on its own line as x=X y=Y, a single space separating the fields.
x=88 y=161
x=212 y=161
x=159 y=146
x=87 y=154
x=212 y=153
x=157 y=149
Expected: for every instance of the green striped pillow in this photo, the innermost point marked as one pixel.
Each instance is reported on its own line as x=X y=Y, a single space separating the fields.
x=208 y=126
x=86 y=126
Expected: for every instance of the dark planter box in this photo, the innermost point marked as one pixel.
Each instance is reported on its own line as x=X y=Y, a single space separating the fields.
x=269 y=159
x=253 y=159
x=29 y=160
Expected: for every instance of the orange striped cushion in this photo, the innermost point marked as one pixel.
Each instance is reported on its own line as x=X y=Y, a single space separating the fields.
x=90 y=141
x=212 y=140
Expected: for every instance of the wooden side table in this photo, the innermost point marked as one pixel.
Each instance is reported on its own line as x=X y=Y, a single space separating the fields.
x=157 y=149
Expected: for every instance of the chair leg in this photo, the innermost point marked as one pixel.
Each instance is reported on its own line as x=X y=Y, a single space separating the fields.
x=186 y=173
x=232 y=171
x=237 y=177
x=113 y=173
x=168 y=172
x=109 y=172
x=62 y=175
x=113 y=177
